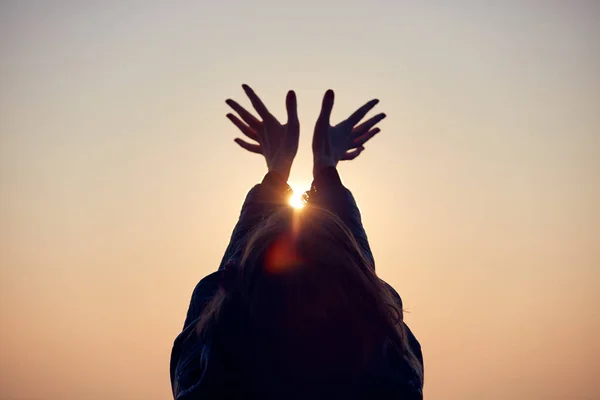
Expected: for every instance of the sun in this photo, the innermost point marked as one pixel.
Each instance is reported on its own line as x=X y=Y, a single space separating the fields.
x=296 y=198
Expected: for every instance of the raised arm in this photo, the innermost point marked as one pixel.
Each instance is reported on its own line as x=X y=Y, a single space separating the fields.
x=331 y=144
x=278 y=143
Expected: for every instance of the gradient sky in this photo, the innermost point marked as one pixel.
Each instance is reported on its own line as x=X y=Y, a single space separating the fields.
x=120 y=182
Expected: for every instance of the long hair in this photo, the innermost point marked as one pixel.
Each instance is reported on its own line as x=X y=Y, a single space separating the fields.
x=305 y=304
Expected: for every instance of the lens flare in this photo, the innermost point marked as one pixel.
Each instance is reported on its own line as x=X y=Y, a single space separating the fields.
x=282 y=255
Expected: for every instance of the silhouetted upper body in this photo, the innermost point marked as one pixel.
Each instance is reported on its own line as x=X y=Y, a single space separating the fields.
x=204 y=366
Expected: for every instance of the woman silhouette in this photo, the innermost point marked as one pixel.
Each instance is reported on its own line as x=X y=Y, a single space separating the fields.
x=296 y=309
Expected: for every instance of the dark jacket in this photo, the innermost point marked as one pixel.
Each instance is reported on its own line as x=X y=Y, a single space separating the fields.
x=190 y=380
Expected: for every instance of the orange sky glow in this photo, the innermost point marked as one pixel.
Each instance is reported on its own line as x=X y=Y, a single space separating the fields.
x=120 y=182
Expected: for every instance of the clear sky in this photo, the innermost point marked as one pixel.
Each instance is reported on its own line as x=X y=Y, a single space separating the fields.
x=120 y=182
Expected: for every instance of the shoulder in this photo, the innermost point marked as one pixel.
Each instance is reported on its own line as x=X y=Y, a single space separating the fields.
x=208 y=286
x=393 y=292
x=204 y=291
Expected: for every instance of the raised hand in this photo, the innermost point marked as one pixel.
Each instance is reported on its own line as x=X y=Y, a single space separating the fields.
x=344 y=141
x=276 y=142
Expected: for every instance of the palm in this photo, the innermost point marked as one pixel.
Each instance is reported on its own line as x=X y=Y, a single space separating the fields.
x=277 y=142
x=345 y=140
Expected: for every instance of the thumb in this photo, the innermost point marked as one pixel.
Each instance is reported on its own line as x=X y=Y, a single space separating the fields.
x=326 y=109
x=292 y=108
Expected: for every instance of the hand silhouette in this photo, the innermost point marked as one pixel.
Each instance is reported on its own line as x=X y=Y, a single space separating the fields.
x=345 y=140
x=276 y=142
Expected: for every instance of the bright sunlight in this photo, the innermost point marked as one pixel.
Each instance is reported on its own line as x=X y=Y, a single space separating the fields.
x=296 y=198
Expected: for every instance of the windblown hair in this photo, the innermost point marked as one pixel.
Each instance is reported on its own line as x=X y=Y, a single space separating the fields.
x=305 y=305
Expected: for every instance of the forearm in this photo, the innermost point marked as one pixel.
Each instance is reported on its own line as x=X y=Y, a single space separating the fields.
x=322 y=163
x=329 y=193
x=261 y=201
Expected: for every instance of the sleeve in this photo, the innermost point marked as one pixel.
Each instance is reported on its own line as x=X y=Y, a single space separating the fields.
x=411 y=339
x=261 y=201
x=188 y=348
x=414 y=345
x=328 y=192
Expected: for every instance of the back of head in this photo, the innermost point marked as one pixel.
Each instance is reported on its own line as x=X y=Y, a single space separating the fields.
x=313 y=300
x=314 y=312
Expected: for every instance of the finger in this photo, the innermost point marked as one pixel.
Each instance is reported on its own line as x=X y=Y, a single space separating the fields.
x=368 y=124
x=253 y=148
x=293 y=125
x=361 y=112
x=246 y=116
x=359 y=141
x=351 y=155
x=257 y=103
x=291 y=105
x=246 y=130
x=326 y=108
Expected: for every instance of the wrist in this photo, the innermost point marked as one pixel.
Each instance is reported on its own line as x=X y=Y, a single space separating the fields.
x=282 y=170
x=327 y=177
x=320 y=164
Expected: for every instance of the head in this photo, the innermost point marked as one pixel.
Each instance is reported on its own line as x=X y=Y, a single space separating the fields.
x=309 y=304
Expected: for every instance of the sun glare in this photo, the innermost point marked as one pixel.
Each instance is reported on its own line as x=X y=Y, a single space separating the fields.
x=296 y=200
